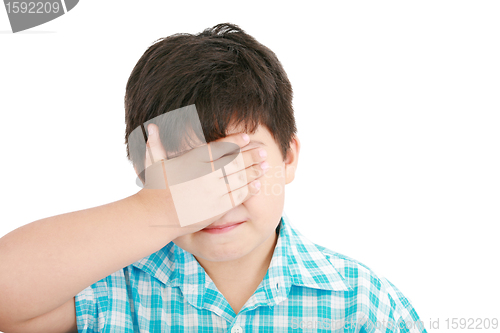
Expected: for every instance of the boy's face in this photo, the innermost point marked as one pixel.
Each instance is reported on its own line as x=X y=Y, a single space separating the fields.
x=262 y=212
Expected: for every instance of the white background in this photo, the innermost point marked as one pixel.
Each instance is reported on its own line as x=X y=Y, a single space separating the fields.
x=397 y=107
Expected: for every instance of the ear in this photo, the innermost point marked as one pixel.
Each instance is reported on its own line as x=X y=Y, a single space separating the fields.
x=291 y=160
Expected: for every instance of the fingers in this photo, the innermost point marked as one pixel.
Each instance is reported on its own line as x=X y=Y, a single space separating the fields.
x=242 y=170
x=246 y=181
x=254 y=165
x=193 y=163
x=241 y=139
x=243 y=193
x=231 y=144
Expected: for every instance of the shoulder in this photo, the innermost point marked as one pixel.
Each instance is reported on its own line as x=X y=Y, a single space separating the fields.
x=340 y=259
x=359 y=275
x=351 y=269
x=374 y=293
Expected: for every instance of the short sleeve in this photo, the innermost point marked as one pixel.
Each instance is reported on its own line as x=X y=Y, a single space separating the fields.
x=405 y=315
x=91 y=305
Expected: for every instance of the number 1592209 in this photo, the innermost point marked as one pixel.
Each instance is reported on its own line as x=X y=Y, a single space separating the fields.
x=32 y=7
x=472 y=323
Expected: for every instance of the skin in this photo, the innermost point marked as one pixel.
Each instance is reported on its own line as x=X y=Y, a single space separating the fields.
x=237 y=260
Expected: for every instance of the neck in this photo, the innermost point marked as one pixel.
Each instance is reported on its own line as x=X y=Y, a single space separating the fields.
x=238 y=279
x=247 y=270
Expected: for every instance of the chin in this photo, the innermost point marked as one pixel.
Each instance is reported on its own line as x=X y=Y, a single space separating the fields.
x=223 y=255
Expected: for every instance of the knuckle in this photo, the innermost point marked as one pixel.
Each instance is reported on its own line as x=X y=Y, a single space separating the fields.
x=256 y=173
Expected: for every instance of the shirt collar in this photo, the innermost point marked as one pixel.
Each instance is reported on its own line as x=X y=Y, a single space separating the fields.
x=307 y=264
x=296 y=261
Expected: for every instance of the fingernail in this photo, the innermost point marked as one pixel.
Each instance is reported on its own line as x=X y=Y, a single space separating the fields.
x=264 y=165
x=257 y=184
x=262 y=153
x=151 y=130
x=245 y=137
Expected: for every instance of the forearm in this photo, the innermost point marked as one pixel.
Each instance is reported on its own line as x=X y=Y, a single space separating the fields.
x=47 y=262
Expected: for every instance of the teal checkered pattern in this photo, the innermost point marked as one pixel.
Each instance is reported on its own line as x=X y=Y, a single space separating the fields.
x=307 y=288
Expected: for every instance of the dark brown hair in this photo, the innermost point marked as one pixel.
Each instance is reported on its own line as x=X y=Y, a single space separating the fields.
x=231 y=78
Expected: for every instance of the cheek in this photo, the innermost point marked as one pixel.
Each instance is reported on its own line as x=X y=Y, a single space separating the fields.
x=273 y=183
x=270 y=197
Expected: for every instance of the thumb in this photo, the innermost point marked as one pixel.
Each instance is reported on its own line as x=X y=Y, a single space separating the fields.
x=154 y=147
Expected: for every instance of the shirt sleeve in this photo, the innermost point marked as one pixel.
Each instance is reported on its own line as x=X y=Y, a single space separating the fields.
x=91 y=305
x=405 y=315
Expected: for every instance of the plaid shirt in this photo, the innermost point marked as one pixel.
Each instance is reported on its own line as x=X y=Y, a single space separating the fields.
x=307 y=288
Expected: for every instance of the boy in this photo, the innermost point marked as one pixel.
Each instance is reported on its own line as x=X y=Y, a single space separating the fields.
x=136 y=265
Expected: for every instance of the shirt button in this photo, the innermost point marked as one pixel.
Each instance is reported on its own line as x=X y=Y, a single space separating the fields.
x=236 y=329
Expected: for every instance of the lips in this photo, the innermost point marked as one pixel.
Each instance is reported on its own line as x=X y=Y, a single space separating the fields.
x=222 y=226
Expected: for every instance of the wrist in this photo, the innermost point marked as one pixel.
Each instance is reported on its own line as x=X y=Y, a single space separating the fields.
x=158 y=211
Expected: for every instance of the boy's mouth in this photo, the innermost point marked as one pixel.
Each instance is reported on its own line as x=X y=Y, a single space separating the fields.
x=222 y=227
